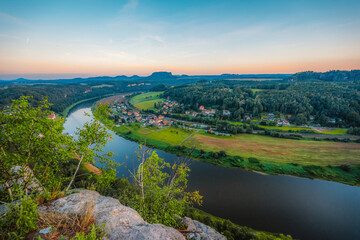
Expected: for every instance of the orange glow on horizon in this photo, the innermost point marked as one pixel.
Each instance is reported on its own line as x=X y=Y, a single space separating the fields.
x=102 y=69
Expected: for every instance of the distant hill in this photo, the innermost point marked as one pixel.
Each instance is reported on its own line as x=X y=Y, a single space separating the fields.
x=331 y=76
x=159 y=77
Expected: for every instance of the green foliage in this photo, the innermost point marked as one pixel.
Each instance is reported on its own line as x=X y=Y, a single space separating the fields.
x=95 y=233
x=323 y=100
x=88 y=148
x=354 y=131
x=34 y=149
x=162 y=195
x=34 y=143
x=19 y=220
x=61 y=94
x=231 y=230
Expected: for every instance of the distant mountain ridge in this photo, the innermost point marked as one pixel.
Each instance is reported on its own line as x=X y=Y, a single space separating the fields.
x=155 y=76
x=331 y=76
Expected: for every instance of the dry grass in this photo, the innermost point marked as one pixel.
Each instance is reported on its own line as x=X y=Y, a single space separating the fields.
x=112 y=99
x=54 y=195
x=93 y=169
x=67 y=225
x=321 y=153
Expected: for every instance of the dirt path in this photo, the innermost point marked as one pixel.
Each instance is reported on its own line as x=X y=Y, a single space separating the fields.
x=197 y=130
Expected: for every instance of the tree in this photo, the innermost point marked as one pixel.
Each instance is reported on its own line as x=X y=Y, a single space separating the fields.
x=34 y=144
x=88 y=148
x=354 y=118
x=162 y=188
x=34 y=149
x=300 y=119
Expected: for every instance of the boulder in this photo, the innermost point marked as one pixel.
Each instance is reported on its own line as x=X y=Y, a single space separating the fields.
x=199 y=231
x=121 y=222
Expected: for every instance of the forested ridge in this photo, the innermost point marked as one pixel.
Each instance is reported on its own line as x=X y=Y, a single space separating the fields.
x=323 y=101
x=63 y=95
x=330 y=76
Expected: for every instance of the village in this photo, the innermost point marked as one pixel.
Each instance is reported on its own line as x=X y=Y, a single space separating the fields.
x=164 y=112
x=123 y=115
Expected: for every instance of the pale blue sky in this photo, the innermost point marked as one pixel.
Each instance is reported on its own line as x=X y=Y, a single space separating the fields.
x=86 y=38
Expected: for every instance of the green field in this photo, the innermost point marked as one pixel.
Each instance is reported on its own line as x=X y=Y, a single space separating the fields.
x=102 y=86
x=146 y=101
x=286 y=128
x=163 y=137
x=335 y=131
x=257 y=90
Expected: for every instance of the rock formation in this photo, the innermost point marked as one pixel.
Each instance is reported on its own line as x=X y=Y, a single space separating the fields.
x=123 y=222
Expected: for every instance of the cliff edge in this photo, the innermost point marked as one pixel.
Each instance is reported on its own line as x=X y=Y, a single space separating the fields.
x=122 y=222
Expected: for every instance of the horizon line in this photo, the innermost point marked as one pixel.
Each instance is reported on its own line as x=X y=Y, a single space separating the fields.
x=69 y=76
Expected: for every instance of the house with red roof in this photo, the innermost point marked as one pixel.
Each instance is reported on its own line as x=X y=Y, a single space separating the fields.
x=51 y=116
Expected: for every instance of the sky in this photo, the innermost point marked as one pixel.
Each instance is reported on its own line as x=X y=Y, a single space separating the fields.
x=77 y=38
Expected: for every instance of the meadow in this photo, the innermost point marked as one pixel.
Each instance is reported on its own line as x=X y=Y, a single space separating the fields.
x=280 y=150
x=146 y=101
x=328 y=131
x=263 y=148
x=102 y=86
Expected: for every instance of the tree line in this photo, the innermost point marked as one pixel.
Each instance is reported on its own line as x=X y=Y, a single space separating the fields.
x=335 y=104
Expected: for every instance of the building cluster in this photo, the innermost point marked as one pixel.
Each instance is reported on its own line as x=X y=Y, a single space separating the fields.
x=122 y=116
x=204 y=112
x=52 y=116
x=280 y=122
x=138 y=84
x=168 y=106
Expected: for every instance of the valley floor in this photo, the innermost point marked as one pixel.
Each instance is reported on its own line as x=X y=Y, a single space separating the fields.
x=335 y=161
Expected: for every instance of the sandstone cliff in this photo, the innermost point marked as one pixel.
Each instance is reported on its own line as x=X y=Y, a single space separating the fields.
x=125 y=223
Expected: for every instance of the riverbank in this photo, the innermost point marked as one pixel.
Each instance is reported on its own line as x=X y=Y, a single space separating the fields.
x=67 y=110
x=310 y=159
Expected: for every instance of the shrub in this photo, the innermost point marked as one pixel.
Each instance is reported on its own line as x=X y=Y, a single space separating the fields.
x=19 y=220
x=222 y=153
x=345 y=167
x=253 y=160
x=162 y=197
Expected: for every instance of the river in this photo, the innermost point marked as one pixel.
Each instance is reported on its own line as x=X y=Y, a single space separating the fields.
x=303 y=208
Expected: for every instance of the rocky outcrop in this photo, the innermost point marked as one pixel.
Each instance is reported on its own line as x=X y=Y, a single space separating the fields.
x=121 y=222
x=24 y=178
x=199 y=231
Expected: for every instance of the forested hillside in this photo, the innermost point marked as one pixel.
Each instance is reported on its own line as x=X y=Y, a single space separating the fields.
x=327 y=103
x=331 y=76
x=63 y=95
